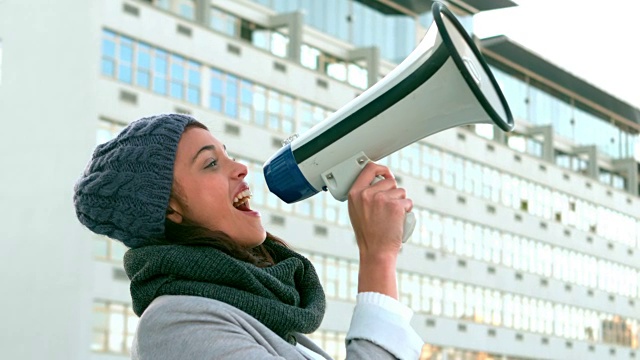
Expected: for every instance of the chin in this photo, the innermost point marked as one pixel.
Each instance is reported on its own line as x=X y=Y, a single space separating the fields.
x=257 y=240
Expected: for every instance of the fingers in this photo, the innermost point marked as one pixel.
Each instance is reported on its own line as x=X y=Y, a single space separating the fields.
x=394 y=198
x=376 y=186
x=377 y=210
x=368 y=174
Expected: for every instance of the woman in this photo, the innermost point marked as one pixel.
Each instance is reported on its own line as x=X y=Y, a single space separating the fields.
x=207 y=280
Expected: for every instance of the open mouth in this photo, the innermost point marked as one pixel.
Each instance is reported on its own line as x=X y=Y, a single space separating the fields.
x=241 y=201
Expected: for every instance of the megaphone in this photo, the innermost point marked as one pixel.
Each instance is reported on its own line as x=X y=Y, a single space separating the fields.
x=443 y=83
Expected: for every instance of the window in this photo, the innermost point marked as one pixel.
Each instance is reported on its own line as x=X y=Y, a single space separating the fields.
x=176 y=89
x=231 y=96
x=193 y=82
x=160 y=68
x=215 y=97
x=163 y=4
x=114 y=325
x=143 y=66
x=125 y=59
x=186 y=9
x=309 y=57
x=354 y=73
x=108 y=63
x=246 y=100
x=184 y=79
x=224 y=22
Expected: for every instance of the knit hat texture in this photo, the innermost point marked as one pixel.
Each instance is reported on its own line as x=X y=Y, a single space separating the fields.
x=124 y=191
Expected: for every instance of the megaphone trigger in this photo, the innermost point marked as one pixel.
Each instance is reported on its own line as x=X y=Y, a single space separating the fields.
x=339 y=178
x=409 y=218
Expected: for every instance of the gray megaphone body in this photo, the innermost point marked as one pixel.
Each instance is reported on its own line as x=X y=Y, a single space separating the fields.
x=443 y=83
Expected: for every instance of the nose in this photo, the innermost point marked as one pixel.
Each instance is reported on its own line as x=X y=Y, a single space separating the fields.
x=240 y=170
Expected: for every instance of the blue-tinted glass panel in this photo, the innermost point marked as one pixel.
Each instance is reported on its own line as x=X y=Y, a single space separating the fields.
x=160 y=85
x=216 y=86
x=176 y=90
x=193 y=95
x=232 y=86
x=144 y=57
x=160 y=63
x=284 y=5
x=194 y=75
x=108 y=67
x=515 y=92
x=126 y=49
x=246 y=95
x=125 y=60
x=109 y=47
x=177 y=68
x=142 y=78
x=259 y=105
x=160 y=72
x=245 y=112
x=143 y=62
x=231 y=96
x=215 y=102
x=124 y=73
x=231 y=107
x=287 y=109
x=186 y=9
x=315 y=13
x=309 y=57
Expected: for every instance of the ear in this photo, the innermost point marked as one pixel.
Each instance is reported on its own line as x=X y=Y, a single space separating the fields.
x=174 y=211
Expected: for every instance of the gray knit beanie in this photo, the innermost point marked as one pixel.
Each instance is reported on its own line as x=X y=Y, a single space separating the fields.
x=124 y=191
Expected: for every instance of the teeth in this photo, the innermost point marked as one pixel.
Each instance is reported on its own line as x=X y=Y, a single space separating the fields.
x=242 y=198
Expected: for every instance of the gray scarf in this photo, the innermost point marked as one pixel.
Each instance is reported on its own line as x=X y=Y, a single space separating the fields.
x=286 y=297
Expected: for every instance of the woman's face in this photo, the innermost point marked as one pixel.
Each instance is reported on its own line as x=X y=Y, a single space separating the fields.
x=211 y=191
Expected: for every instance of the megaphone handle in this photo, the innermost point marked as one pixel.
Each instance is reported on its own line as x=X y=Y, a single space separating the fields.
x=409 y=218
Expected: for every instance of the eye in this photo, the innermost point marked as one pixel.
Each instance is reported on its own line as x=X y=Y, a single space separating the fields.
x=211 y=163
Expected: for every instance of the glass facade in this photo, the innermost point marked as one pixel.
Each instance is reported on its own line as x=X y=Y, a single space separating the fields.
x=136 y=63
x=180 y=78
x=277 y=44
x=440 y=297
x=532 y=102
x=395 y=34
x=426 y=162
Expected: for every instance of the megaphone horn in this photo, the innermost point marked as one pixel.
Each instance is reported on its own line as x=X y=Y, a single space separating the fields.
x=443 y=83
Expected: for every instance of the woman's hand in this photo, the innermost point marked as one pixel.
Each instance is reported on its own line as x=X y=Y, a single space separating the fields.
x=377 y=213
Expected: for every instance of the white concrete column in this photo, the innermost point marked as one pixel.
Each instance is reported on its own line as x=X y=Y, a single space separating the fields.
x=50 y=65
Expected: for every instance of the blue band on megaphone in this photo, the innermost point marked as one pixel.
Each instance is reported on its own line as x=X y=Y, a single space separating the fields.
x=284 y=178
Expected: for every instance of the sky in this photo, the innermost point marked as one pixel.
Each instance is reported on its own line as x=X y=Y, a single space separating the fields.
x=598 y=41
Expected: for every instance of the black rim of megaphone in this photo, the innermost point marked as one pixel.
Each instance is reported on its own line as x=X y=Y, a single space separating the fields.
x=438 y=9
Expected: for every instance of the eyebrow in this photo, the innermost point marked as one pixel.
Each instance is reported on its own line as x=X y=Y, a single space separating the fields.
x=205 y=148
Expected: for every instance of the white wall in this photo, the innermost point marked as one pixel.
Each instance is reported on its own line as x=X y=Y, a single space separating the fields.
x=47 y=130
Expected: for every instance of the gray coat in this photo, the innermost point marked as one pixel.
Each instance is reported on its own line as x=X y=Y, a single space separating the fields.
x=190 y=327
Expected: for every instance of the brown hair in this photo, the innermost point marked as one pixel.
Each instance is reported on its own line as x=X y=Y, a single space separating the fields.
x=194 y=235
